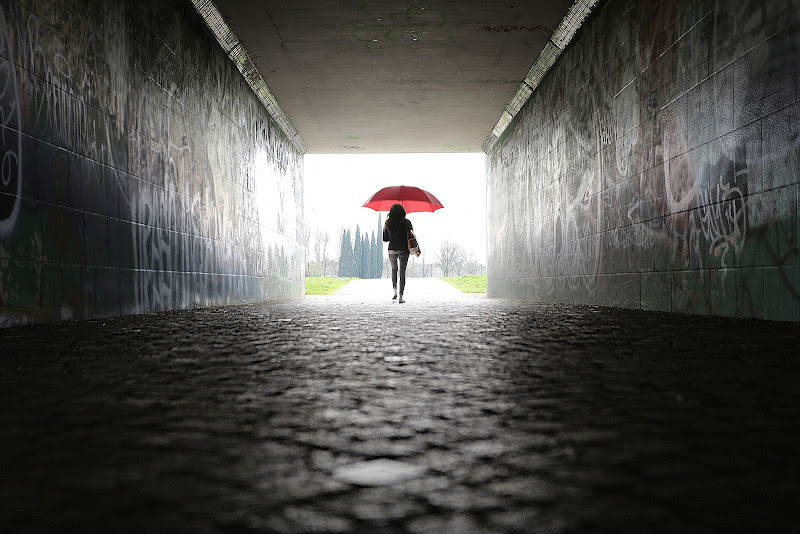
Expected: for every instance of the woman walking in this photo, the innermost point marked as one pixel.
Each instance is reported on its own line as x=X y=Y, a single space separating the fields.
x=396 y=232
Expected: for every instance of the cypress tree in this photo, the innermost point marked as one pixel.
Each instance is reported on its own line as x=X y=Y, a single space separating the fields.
x=350 y=269
x=366 y=249
x=373 y=252
x=378 y=259
x=379 y=245
x=360 y=258
x=339 y=271
x=369 y=250
x=357 y=250
x=345 y=255
x=367 y=255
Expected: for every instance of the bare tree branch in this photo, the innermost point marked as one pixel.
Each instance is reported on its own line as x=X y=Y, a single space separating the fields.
x=451 y=257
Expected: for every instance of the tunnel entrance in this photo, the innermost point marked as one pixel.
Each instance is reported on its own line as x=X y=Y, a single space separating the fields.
x=452 y=239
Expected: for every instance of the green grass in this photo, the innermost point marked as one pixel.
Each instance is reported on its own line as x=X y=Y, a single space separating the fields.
x=470 y=283
x=323 y=285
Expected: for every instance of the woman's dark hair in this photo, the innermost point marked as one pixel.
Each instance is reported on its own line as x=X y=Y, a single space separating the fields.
x=396 y=221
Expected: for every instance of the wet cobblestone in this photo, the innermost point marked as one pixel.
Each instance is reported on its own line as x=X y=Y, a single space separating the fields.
x=498 y=417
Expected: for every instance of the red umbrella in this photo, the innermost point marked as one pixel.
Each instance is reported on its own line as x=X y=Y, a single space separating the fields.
x=413 y=199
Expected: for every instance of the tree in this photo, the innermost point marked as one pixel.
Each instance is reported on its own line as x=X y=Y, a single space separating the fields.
x=369 y=250
x=325 y=238
x=306 y=233
x=350 y=266
x=361 y=256
x=451 y=257
x=472 y=266
x=345 y=255
x=365 y=251
x=371 y=256
x=321 y=250
x=357 y=251
x=379 y=249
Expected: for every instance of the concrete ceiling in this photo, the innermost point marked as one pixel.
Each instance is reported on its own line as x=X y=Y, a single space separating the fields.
x=382 y=76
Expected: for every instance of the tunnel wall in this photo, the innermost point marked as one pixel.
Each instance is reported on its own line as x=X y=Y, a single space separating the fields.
x=656 y=166
x=140 y=173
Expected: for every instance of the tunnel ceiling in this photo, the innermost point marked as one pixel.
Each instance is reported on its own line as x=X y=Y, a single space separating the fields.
x=393 y=77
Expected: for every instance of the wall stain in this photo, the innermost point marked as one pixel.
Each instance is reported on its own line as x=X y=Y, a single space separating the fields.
x=408 y=27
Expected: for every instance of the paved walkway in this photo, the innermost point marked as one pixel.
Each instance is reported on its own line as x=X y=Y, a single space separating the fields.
x=352 y=414
x=418 y=290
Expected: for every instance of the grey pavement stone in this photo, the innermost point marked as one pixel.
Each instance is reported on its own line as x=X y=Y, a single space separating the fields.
x=380 y=472
x=516 y=417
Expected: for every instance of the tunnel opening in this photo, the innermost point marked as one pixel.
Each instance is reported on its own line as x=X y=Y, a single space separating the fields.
x=452 y=239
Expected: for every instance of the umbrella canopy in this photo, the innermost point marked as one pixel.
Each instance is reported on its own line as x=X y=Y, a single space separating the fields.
x=413 y=199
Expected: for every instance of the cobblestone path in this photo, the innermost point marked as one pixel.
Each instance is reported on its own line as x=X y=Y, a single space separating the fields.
x=471 y=416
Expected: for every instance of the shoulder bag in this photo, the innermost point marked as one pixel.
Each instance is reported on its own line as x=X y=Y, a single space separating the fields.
x=413 y=246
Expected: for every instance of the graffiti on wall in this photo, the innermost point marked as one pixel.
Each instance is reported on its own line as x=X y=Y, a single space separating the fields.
x=168 y=166
x=506 y=28
x=654 y=167
x=10 y=139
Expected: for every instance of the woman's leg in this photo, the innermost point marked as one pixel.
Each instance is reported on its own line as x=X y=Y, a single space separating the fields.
x=393 y=261
x=403 y=264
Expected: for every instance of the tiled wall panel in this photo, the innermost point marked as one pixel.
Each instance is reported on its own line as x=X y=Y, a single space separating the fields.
x=139 y=172
x=657 y=166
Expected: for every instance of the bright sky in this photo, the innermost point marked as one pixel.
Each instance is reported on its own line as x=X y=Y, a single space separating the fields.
x=337 y=185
